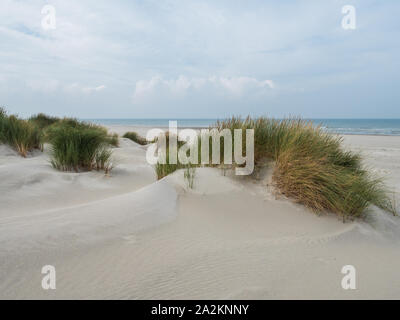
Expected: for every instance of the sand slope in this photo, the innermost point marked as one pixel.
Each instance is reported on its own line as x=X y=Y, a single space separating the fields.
x=129 y=236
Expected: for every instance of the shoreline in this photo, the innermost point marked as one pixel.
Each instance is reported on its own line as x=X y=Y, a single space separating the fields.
x=122 y=127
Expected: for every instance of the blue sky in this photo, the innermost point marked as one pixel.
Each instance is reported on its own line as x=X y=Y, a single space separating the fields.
x=200 y=59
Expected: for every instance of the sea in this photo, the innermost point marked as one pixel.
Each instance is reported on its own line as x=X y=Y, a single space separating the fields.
x=340 y=126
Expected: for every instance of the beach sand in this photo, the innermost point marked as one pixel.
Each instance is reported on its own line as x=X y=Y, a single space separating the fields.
x=129 y=236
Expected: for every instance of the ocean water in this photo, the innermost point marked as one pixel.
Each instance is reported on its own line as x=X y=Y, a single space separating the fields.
x=361 y=126
x=340 y=126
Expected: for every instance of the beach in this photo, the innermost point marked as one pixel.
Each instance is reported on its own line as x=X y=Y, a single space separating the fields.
x=127 y=235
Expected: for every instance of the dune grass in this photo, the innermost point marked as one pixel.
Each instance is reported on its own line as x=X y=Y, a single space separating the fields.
x=165 y=167
x=79 y=146
x=114 y=139
x=312 y=167
x=22 y=135
x=42 y=120
x=135 y=137
x=75 y=145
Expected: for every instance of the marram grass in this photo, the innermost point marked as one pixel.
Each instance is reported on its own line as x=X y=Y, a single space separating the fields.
x=114 y=139
x=312 y=167
x=135 y=137
x=42 y=120
x=78 y=146
x=75 y=145
x=22 y=135
x=165 y=167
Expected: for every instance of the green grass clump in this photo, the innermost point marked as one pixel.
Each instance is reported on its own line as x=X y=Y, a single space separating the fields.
x=42 y=120
x=114 y=139
x=135 y=137
x=164 y=169
x=20 y=134
x=75 y=145
x=312 y=167
x=78 y=146
x=102 y=160
x=75 y=123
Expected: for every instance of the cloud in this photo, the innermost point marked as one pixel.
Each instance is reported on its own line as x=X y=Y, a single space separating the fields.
x=214 y=53
x=182 y=86
x=238 y=85
x=52 y=85
x=93 y=89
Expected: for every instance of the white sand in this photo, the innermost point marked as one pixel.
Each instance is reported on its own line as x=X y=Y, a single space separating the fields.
x=129 y=236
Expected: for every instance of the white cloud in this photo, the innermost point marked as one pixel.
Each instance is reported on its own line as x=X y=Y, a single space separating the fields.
x=123 y=44
x=93 y=89
x=231 y=86
x=52 y=85
x=238 y=85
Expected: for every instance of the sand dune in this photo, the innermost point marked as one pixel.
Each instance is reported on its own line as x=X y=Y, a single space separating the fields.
x=130 y=236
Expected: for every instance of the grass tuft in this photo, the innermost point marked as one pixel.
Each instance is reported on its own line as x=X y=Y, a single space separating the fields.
x=42 y=120
x=20 y=134
x=313 y=168
x=164 y=169
x=135 y=137
x=79 y=146
x=114 y=139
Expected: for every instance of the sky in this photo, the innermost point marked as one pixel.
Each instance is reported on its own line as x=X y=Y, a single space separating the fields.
x=200 y=59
